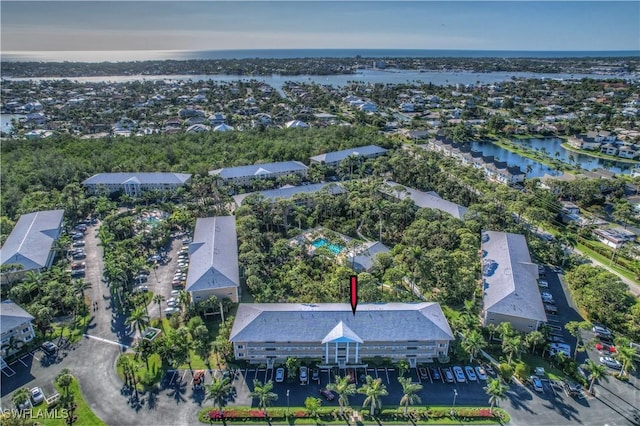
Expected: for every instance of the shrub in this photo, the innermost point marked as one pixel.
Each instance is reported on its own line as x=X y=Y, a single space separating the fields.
x=522 y=370
x=505 y=371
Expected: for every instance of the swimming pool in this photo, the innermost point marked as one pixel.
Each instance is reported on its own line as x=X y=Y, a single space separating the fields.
x=334 y=248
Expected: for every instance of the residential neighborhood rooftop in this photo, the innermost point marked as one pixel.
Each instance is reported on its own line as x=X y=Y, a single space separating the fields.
x=141 y=178
x=337 y=156
x=12 y=315
x=288 y=191
x=264 y=169
x=429 y=200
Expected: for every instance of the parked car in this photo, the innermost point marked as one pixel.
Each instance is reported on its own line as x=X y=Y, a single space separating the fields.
x=303 y=374
x=546 y=297
x=328 y=395
x=77 y=236
x=555 y=339
x=141 y=278
x=602 y=332
x=175 y=293
x=78 y=256
x=457 y=371
x=550 y=309
x=605 y=348
x=488 y=368
x=571 y=388
x=448 y=375
x=79 y=243
x=536 y=383
x=423 y=373
x=77 y=273
x=141 y=289
x=81 y=227
x=280 y=375
x=173 y=303
x=49 y=347
x=543 y=284
x=37 y=396
x=170 y=311
x=315 y=375
x=471 y=374
x=78 y=265
x=435 y=373
x=610 y=362
x=482 y=375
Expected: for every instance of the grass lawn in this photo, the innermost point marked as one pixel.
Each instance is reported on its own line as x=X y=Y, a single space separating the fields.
x=73 y=333
x=534 y=361
x=82 y=411
x=145 y=377
x=600 y=258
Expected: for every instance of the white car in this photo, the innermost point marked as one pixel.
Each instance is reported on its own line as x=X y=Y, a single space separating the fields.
x=457 y=371
x=37 y=396
x=173 y=303
x=546 y=297
x=171 y=311
x=543 y=284
x=280 y=375
x=610 y=362
x=175 y=293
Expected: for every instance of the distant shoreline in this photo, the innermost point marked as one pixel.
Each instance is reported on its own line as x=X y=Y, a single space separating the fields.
x=148 y=55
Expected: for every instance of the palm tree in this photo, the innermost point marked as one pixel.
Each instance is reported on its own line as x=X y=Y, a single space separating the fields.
x=158 y=299
x=491 y=328
x=79 y=286
x=533 y=339
x=218 y=390
x=138 y=319
x=505 y=329
x=344 y=389
x=512 y=346
x=596 y=371
x=473 y=343
x=64 y=380
x=373 y=389
x=263 y=393
x=626 y=355
x=495 y=389
x=409 y=393
x=21 y=396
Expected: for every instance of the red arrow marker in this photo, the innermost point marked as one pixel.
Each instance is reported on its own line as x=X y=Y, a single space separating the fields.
x=354 y=293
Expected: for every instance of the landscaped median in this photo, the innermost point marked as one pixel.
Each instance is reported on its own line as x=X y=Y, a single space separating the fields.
x=331 y=415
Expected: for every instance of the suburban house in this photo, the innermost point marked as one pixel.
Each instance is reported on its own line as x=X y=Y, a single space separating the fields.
x=302 y=195
x=269 y=333
x=614 y=237
x=332 y=159
x=132 y=184
x=29 y=246
x=213 y=260
x=244 y=175
x=16 y=323
x=510 y=288
x=362 y=257
x=429 y=200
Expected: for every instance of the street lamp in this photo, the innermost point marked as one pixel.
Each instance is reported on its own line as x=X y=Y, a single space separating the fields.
x=287 y=402
x=455 y=394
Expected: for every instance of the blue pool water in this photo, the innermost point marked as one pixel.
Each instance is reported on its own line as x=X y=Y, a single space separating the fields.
x=320 y=242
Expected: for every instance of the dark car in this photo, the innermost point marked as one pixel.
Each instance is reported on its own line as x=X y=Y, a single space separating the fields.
x=423 y=373
x=435 y=373
x=352 y=375
x=77 y=236
x=328 y=395
x=77 y=273
x=571 y=388
x=78 y=256
x=315 y=375
x=448 y=375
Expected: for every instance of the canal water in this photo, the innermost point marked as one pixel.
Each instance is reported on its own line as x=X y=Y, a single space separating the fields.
x=551 y=146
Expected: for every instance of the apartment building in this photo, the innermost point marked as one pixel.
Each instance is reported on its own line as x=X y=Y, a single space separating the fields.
x=132 y=184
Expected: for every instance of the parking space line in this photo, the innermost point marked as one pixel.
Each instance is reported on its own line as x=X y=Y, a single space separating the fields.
x=8 y=368
x=386 y=371
x=183 y=374
x=23 y=363
x=33 y=354
x=255 y=374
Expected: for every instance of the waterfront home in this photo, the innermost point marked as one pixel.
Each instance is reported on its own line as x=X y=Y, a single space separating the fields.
x=585 y=142
x=269 y=333
x=29 y=246
x=16 y=324
x=332 y=159
x=132 y=184
x=213 y=260
x=510 y=288
x=223 y=128
x=608 y=149
x=245 y=175
x=627 y=152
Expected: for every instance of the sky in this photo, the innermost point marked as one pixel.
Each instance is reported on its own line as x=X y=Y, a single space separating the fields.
x=227 y=25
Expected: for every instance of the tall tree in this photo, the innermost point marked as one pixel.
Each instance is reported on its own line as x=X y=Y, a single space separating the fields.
x=138 y=319
x=263 y=393
x=218 y=390
x=496 y=391
x=596 y=372
x=473 y=343
x=373 y=389
x=344 y=388
x=409 y=393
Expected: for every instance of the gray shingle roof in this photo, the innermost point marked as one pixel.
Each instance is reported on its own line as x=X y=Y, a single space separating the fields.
x=213 y=254
x=12 y=315
x=366 y=254
x=142 y=178
x=30 y=242
x=337 y=156
x=510 y=286
x=259 y=169
x=284 y=322
x=429 y=200
x=289 y=191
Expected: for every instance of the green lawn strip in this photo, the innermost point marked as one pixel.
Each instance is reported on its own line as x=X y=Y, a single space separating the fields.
x=329 y=415
x=597 y=256
x=73 y=334
x=534 y=361
x=598 y=154
x=82 y=412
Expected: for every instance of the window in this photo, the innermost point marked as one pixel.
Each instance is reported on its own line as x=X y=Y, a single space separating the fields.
x=240 y=354
x=240 y=346
x=24 y=330
x=270 y=349
x=441 y=345
x=412 y=348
